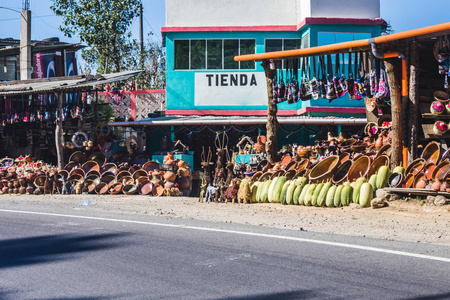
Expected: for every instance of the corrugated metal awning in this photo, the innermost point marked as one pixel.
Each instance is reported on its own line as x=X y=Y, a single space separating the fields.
x=237 y=120
x=56 y=84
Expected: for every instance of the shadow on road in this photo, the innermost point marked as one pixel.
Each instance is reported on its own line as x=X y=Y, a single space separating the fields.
x=300 y=294
x=432 y=297
x=43 y=249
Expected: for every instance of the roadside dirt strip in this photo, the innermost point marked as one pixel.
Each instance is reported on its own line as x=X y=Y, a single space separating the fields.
x=413 y=221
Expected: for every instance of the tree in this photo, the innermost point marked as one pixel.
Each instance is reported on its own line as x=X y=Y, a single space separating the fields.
x=153 y=74
x=103 y=25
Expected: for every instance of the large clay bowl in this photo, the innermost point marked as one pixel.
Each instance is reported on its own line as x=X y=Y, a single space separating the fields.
x=109 y=167
x=290 y=174
x=101 y=188
x=265 y=176
x=75 y=177
x=139 y=159
x=262 y=164
x=64 y=174
x=122 y=174
x=285 y=160
x=441 y=170
x=347 y=143
x=145 y=187
x=77 y=171
x=384 y=150
x=325 y=169
x=158 y=190
x=134 y=168
x=417 y=178
x=150 y=166
x=395 y=180
x=380 y=161
x=428 y=170
x=277 y=174
x=78 y=157
x=343 y=157
x=409 y=181
x=416 y=166
x=127 y=180
x=303 y=164
x=93 y=173
x=71 y=165
x=90 y=165
x=341 y=172
x=115 y=188
x=119 y=156
x=39 y=181
x=432 y=153
x=140 y=173
x=108 y=179
x=256 y=176
x=446 y=155
x=360 y=168
x=91 y=184
x=129 y=189
x=98 y=157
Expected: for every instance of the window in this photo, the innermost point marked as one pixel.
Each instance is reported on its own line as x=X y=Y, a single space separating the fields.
x=280 y=45
x=327 y=38
x=213 y=54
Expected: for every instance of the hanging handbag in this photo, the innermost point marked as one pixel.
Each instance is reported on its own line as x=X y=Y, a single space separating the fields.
x=331 y=92
x=313 y=82
x=350 y=81
x=275 y=88
x=303 y=92
x=342 y=80
x=289 y=96
x=322 y=84
x=281 y=89
x=294 y=84
x=360 y=80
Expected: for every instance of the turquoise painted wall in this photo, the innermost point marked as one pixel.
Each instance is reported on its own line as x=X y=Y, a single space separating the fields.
x=180 y=86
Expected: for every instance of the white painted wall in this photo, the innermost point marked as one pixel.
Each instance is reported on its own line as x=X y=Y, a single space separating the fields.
x=199 y=13
x=362 y=9
x=191 y=13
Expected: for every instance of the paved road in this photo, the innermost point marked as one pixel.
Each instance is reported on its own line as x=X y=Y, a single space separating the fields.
x=76 y=254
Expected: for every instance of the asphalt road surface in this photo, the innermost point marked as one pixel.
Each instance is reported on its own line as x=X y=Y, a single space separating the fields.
x=81 y=255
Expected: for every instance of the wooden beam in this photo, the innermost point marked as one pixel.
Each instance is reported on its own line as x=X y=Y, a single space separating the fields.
x=414 y=102
x=59 y=130
x=393 y=73
x=272 y=122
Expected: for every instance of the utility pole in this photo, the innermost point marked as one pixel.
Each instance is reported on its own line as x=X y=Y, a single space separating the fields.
x=141 y=36
x=25 y=41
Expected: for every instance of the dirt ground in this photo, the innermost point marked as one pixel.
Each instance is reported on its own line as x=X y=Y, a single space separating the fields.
x=412 y=221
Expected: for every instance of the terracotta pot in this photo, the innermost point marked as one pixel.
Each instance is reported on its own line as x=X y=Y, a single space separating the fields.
x=436 y=185
x=432 y=153
x=422 y=183
x=444 y=186
x=181 y=163
x=170 y=175
x=182 y=172
x=416 y=166
x=324 y=170
x=158 y=190
x=169 y=184
x=360 y=168
x=184 y=183
x=341 y=172
x=157 y=180
x=29 y=190
x=22 y=182
x=22 y=190
x=15 y=190
x=395 y=180
x=5 y=189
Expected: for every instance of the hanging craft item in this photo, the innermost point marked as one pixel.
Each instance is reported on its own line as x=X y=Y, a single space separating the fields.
x=133 y=144
x=313 y=82
x=294 y=84
x=383 y=89
x=331 y=92
x=305 y=94
x=105 y=143
x=437 y=108
x=385 y=121
x=350 y=81
x=336 y=81
x=343 y=80
x=440 y=127
x=281 y=88
x=322 y=84
x=79 y=138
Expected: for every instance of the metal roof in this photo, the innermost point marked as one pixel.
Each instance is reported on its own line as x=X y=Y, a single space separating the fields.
x=239 y=120
x=56 y=84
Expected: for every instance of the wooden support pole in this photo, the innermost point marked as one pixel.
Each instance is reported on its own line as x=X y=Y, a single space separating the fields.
x=414 y=102
x=393 y=73
x=272 y=122
x=59 y=131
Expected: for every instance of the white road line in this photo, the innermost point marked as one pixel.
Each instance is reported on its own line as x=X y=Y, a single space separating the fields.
x=336 y=244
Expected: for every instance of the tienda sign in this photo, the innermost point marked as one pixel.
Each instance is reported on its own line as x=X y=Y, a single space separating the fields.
x=230 y=89
x=38 y=66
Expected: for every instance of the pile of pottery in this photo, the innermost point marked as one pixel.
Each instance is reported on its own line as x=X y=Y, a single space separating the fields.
x=431 y=170
x=18 y=176
x=120 y=173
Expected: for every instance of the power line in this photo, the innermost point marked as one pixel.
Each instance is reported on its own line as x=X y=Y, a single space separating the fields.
x=152 y=29
x=44 y=16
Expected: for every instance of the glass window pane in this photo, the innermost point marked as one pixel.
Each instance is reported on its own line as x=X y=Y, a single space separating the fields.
x=247 y=47
x=343 y=37
x=181 y=54
x=290 y=44
x=305 y=41
x=362 y=36
x=198 y=54
x=230 y=50
x=214 y=54
x=274 y=45
x=327 y=38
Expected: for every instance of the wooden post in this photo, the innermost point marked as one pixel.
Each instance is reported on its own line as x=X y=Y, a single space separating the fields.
x=393 y=72
x=272 y=122
x=414 y=102
x=59 y=131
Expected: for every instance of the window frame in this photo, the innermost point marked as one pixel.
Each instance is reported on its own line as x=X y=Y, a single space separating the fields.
x=206 y=54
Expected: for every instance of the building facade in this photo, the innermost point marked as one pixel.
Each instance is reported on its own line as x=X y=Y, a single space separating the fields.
x=202 y=37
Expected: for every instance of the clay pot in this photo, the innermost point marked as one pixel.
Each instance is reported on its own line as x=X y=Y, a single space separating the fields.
x=169 y=184
x=22 y=190
x=5 y=189
x=324 y=170
x=150 y=166
x=158 y=190
x=395 y=180
x=360 y=168
x=10 y=184
x=184 y=183
x=181 y=163
x=29 y=189
x=129 y=189
x=422 y=183
x=15 y=190
x=436 y=185
x=342 y=172
x=169 y=159
x=22 y=182
x=170 y=175
x=444 y=186
x=157 y=180
x=432 y=153
x=182 y=172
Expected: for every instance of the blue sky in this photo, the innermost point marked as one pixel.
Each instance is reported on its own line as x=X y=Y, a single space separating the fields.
x=402 y=15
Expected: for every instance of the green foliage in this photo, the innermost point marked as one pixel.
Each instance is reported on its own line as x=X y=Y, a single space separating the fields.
x=103 y=25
